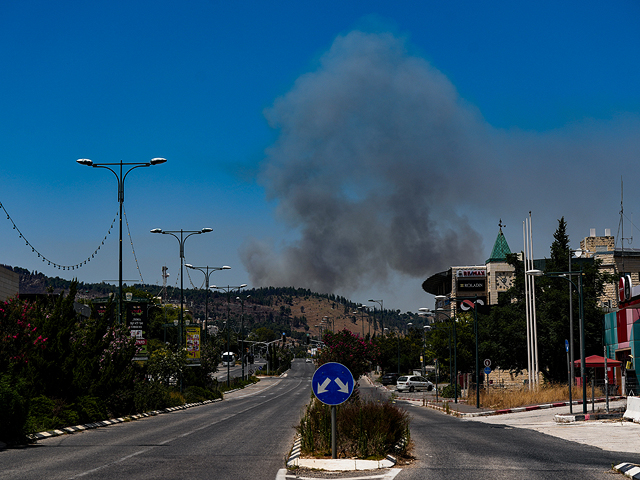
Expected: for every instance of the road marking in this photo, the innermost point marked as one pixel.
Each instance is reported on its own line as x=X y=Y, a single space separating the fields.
x=127 y=457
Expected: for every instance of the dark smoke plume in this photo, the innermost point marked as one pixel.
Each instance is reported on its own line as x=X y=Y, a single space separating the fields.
x=371 y=146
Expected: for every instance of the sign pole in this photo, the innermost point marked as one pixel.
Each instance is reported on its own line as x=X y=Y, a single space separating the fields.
x=566 y=346
x=334 y=450
x=333 y=384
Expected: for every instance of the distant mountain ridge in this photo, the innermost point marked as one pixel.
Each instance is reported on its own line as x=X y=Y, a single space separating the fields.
x=300 y=309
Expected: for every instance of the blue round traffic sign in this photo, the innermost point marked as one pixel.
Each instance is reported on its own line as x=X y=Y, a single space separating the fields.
x=332 y=383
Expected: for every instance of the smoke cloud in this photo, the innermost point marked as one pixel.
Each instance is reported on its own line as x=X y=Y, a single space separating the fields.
x=380 y=166
x=362 y=170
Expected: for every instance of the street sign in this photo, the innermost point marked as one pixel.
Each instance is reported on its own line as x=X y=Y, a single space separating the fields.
x=487 y=370
x=332 y=383
x=487 y=363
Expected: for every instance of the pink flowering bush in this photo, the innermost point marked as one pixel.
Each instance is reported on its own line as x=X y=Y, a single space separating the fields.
x=19 y=336
x=349 y=349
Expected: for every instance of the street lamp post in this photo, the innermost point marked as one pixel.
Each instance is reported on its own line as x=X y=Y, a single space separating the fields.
x=120 y=177
x=425 y=329
x=207 y=272
x=181 y=239
x=471 y=302
x=228 y=289
x=452 y=326
x=379 y=302
x=361 y=308
x=567 y=277
x=242 y=331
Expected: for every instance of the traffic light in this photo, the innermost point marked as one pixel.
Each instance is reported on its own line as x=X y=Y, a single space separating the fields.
x=284 y=338
x=308 y=339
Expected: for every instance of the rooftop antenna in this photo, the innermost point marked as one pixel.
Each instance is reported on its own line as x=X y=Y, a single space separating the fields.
x=165 y=274
x=621 y=224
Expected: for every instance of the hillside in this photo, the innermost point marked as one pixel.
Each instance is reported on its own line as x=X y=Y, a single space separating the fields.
x=279 y=308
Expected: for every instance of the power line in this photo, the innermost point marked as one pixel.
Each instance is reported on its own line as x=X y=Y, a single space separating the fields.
x=48 y=260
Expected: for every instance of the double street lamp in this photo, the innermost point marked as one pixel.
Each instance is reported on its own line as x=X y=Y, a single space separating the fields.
x=228 y=290
x=242 y=331
x=361 y=312
x=379 y=302
x=567 y=277
x=121 y=178
x=181 y=239
x=207 y=272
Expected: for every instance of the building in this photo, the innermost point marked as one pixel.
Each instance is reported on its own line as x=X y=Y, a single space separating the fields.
x=9 y=283
x=620 y=301
x=485 y=281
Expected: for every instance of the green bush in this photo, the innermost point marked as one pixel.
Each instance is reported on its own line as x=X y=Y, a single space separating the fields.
x=449 y=391
x=47 y=414
x=91 y=409
x=364 y=429
x=149 y=396
x=13 y=412
x=195 y=394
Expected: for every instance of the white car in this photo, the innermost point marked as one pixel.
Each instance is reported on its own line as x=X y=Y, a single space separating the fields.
x=410 y=383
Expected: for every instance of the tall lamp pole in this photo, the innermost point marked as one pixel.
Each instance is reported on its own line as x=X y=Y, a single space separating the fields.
x=379 y=302
x=120 y=177
x=452 y=321
x=207 y=272
x=181 y=239
x=228 y=290
x=567 y=277
x=470 y=302
x=242 y=331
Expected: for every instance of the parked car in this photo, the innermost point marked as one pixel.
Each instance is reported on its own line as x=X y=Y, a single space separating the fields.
x=410 y=383
x=389 y=378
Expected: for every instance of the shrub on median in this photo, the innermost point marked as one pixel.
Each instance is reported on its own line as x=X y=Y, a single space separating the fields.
x=364 y=429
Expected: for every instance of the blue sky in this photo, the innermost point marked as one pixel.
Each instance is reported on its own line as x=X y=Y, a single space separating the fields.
x=352 y=147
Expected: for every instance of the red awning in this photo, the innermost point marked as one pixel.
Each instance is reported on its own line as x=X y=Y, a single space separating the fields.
x=598 y=361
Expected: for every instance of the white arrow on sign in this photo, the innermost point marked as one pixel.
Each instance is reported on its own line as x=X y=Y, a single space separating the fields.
x=342 y=387
x=322 y=387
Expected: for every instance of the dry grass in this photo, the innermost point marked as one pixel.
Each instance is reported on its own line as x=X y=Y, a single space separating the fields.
x=511 y=398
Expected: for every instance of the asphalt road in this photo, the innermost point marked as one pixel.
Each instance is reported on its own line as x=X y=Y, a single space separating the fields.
x=246 y=436
x=447 y=447
x=236 y=370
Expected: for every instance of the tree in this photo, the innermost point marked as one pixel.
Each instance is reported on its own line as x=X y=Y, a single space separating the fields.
x=503 y=330
x=350 y=350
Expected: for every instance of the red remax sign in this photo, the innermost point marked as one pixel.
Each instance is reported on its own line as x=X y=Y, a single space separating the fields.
x=471 y=273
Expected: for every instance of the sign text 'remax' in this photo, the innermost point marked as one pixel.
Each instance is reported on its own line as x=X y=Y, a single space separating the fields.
x=471 y=272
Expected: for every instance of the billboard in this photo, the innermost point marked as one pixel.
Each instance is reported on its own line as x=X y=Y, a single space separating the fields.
x=475 y=284
x=136 y=315
x=193 y=344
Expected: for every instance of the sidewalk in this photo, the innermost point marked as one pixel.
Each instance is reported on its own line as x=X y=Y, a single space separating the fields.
x=598 y=429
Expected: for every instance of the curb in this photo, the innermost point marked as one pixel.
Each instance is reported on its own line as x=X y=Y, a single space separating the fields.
x=630 y=470
x=615 y=413
x=519 y=409
x=114 y=421
x=334 y=464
